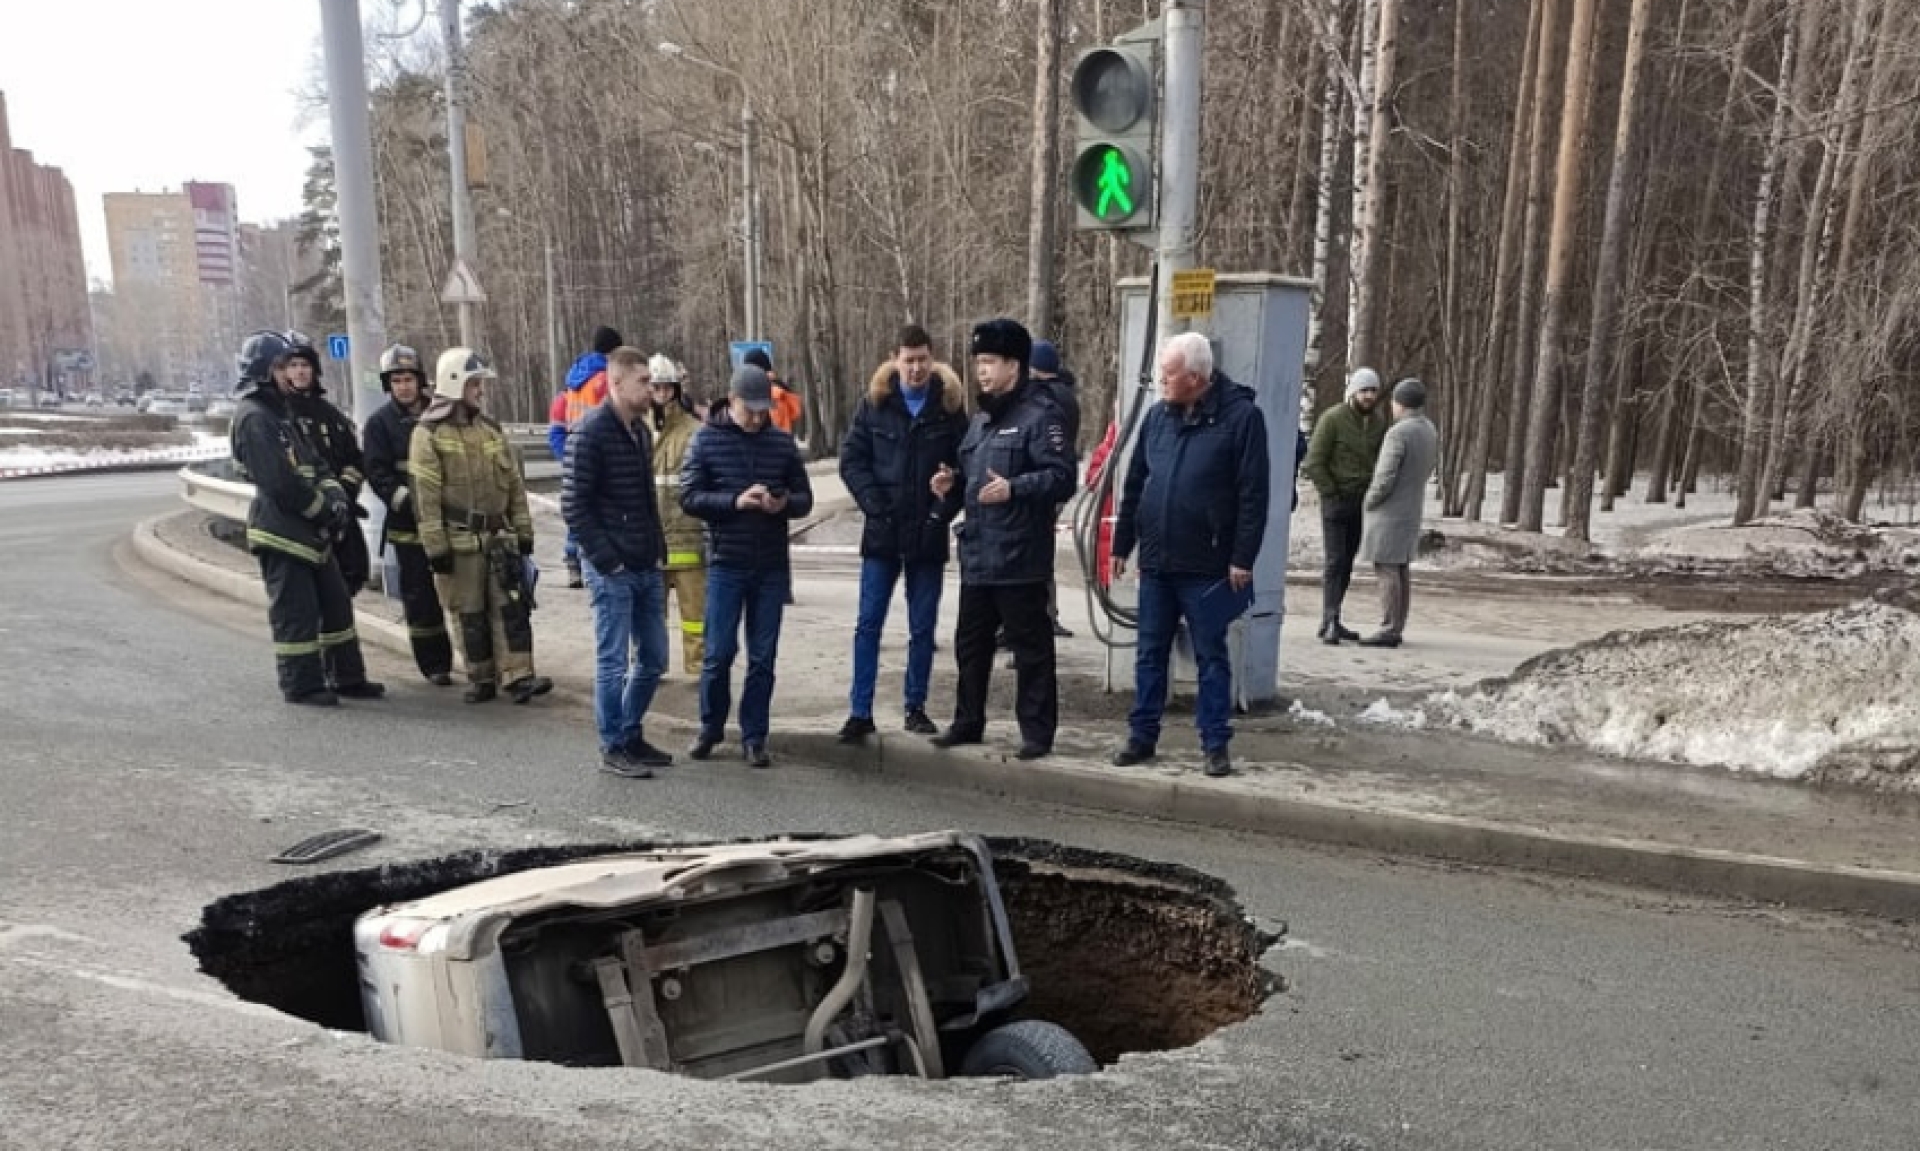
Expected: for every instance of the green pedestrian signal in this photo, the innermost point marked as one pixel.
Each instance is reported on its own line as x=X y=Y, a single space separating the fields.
x=1106 y=183
x=1116 y=129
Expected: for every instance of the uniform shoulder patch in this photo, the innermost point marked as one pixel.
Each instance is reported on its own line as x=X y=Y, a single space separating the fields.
x=1057 y=436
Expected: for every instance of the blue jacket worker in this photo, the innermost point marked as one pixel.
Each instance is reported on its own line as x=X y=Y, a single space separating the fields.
x=905 y=431
x=607 y=498
x=745 y=478
x=1016 y=468
x=1195 y=503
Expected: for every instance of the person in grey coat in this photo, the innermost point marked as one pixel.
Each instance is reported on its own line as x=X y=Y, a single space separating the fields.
x=1392 y=507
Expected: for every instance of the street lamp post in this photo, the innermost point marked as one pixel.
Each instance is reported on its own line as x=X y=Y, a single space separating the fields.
x=749 y=174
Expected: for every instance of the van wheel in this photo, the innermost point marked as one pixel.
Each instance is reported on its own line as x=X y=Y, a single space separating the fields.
x=1029 y=1049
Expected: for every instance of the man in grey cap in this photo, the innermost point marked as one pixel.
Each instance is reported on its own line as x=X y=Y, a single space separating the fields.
x=1393 y=504
x=744 y=477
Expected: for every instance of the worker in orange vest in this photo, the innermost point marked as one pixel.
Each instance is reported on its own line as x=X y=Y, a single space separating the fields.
x=586 y=387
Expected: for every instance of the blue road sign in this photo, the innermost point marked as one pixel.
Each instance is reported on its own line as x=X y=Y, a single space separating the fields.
x=738 y=349
x=337 y=347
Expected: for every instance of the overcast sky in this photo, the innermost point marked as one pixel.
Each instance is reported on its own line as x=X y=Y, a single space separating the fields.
x=128 y=95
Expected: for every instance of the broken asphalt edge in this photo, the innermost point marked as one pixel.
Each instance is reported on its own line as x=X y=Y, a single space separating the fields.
x=1732 y=875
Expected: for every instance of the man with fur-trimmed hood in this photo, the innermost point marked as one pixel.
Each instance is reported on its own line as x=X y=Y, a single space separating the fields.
x=906 y=430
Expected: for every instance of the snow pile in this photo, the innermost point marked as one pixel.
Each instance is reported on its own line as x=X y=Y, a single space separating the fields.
x=26 y=460
x=1833 y=696
x=1382 y=712
x=1803 y=542
x=1302 y=714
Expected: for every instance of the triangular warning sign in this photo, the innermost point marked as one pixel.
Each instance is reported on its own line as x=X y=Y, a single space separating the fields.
x=463 y=287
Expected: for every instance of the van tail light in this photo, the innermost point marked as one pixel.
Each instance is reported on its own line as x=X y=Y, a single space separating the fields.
x=403 y=934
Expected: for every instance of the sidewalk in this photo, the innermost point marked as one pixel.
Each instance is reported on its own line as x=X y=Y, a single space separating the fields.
x=1345 y=782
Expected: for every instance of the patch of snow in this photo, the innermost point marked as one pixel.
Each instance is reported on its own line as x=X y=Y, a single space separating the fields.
x=1301 y=713
x=1382 y=712
x=1788 y=697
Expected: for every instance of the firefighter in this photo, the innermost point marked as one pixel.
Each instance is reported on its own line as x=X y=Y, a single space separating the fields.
x=389 y=439
x=332 y=434
x=476 y=530
x=299 y=511
x=686 y=572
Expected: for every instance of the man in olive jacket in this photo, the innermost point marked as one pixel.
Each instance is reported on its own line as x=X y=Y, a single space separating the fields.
x=1340 y=460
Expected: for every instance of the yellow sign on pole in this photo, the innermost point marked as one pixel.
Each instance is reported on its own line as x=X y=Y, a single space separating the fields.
x=1193 y=294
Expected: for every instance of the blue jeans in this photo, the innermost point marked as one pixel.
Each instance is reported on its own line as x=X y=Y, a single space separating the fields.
x=629 y=650
x=877 y=580
x=1208 y=604
x=760 y=596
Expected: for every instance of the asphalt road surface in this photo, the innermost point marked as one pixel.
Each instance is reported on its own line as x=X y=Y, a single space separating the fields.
x=147 y=767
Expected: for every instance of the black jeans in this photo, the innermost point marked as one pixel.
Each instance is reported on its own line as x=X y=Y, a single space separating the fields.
x=1021 y=609
x=1340 y=519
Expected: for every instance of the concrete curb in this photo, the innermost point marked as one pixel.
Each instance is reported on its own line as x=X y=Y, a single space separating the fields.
x=1765 y=879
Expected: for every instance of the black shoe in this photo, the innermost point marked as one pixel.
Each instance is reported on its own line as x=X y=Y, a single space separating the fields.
x=573 y=577
x=702 y=747
x=1380 y=639
x=365 y=689
x=1134 y=753
x=645 y=754
x=953 y=737
x=857 y=728
x=919 y=724
x=756 y=754
x=1060 y=631
x=523 y=690
x=619 y=761
x=481 y=692
x=1344 y=632
x=1032 y=751
x=440 y=679
x=321 y=698
x=1219 y=764
x=1328 y=634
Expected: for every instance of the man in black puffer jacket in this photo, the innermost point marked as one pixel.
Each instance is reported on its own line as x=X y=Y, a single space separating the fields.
x=905 y=431
x=1016 y=468
x=607 y=498
x=1195 y=501
x=745 y=478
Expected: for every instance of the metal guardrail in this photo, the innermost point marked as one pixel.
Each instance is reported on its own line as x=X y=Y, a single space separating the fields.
x=229 y=498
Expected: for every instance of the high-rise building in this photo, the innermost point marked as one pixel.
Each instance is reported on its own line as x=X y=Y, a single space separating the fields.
x=46 y=326
x=176 y=265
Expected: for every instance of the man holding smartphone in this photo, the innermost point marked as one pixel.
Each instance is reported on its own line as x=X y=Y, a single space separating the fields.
x=1195 y=501
x=745 y=478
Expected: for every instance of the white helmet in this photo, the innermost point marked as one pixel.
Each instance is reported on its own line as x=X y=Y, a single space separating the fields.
x=663 y=370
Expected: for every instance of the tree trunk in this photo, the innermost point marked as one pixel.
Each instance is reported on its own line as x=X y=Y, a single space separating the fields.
x=1816 y=244
x=1465 y=390
x=1522 y=365
x=1553 y=311
x=1507 y=251
x=1367 y=237
x=1759 y=368
x=1621 y=188
x=1045 y=180
x=1326 y=176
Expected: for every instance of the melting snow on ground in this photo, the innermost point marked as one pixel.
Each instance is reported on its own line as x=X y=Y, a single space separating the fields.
x=205 y=445
x=1382 y=712
x=1829 y=696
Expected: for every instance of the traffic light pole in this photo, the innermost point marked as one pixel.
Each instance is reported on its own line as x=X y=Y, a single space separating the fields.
x=463 y=229
x=346 y=71
x=1184 y=22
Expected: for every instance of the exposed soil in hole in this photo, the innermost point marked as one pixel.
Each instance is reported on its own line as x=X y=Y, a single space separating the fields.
x=1128 y=954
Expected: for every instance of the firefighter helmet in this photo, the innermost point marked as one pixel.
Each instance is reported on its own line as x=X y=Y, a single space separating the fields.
x=401 y=358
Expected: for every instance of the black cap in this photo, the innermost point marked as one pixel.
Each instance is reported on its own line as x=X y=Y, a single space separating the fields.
x=759 y=359
x=752 y=387
x=606 y=340
x=1006 y=338
x=1410 y=393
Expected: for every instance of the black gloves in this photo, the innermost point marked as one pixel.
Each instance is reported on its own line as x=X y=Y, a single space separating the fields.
x=526 y=547
x=441 y=564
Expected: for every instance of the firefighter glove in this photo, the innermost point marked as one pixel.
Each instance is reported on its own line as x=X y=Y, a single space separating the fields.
x=442 y=564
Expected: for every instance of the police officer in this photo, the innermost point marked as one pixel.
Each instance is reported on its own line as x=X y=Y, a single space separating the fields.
x=299 y=512
x=389 y=439
x=476 y=530
x=332 y=434
x=1016 y=467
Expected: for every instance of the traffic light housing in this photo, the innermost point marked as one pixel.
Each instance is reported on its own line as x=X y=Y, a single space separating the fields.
x=1117 y=118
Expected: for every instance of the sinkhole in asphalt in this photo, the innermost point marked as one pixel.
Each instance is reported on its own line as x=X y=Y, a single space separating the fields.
x=1128 y=954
